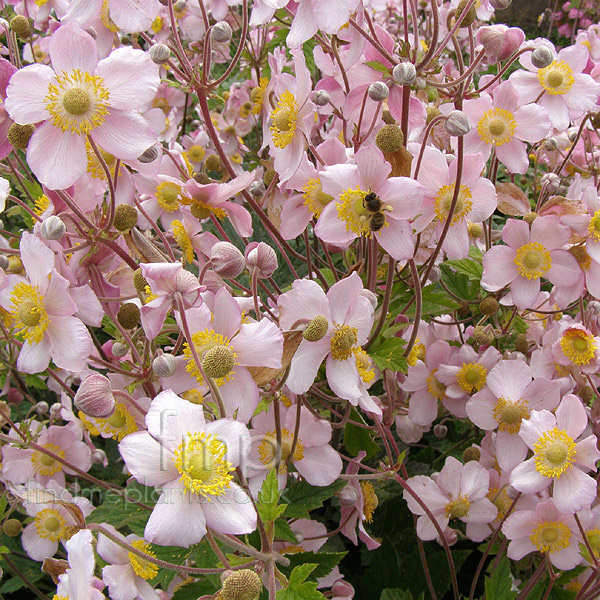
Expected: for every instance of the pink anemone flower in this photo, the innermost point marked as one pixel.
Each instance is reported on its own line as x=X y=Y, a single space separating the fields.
x=79 y=97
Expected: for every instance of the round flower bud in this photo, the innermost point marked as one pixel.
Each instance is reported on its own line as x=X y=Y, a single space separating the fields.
x=475 y=230
x=4 y=263
x=53 y=228
x=316 y=329
x=94 y=397
x=244 y=584
x=440 y=430
x=19 y=135
x=348 y=496
x=594 y=307
x=378 y=91
x=420 y=83
x=389 y=139
x=119 y=349
x=56 y=410
x=262 y=258
x=41 y=408
x=129 y=315
x=139 y=281
x=164 y=365
x=226 y=260
x=221 y=32
x=489 y=306
x=542 y=57
x=551 y=144
x=521 y=343
x=21 y=26
x=149 y=155
x=530 y=217
x=218 y=361
x=321 y=97
x=432 y=113
x=435 y=274
x=465 y=18
x=499 y=41
x=159 y=53
x=482 y=336
x=98 y=457
x=500 y=4
x=551 y=181
x=126 y=217
x=471 y=453
x=12 y=527
x=404 y=73
x=457 y=123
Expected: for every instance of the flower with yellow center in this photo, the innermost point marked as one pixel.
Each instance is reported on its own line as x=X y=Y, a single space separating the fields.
x=94 y=168
x=195 y=154
x=29 y=314
x=364 y=366
x=471 y=377
x=200 y=460
x=41 y=205
x=216 y=354
x=352 y=210
x=343 y=341
x=594 y=226
x=509 y=414
x=370 y=499
x=458 y=508
x=49 y=524
x=183 y=241
x=284 y=120
x=270 y=453
x=497 y=126
x=168 y=196
x=551 y=536
x=554 y=453
x=257 y=95
x=557 y=78
x=77 y=101
x=533 y=260
x=118 y=425
x=142 y=567
x=417 y=352
x=443 y=202
x=578 y=345
x=435 y=387
x=315 y=199
x=46 y=465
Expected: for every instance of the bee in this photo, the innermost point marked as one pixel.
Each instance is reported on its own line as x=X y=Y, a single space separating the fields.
x=377 y=221
x=374 y=205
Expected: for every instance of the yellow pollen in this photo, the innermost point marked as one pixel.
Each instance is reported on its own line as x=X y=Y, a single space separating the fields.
x=183 y=241
x=284 y=116
x=351 y=209
x=200 y=459
x=532 y=260
x=471 y=377
x=364 y=366
x=105 y=17
x=49 y=524
x=157 y=25
x=315 y=199
x=47 y=465
x=41 y=205
x=443 y=202
x=141 y=567
x=554 y=453
x=204 y=341
x=342 y=341
x=196 y=153
x=168 y=195
x=458 y=508
x=434 y=387
x=417 y=352
x=257 y=95
x=500 y=500
x=496 y=126
x=584 y=260
x=551 y=536
x=94 y=168
x=578 y=346
x=28 y=311
x=509 y=414
x=557 y=78
x=370 y=499
x=594 y=226
x=77 y=101
x=270 y=453
x=118 y=425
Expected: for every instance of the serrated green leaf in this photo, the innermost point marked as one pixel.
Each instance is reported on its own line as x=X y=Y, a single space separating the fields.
x=268 y=498
x=283 y=531
x=378 y=66
x=122 y=512
x=303 y=497
x=467 y=266
x=325 y=561
x=389 y=354
x=194 y=589
x=498 y=585
x=298 y=588
x=358 y=438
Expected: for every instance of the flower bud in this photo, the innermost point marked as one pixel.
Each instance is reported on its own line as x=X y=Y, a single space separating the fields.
x=551 y=144
x=244 y=584
x=164 y=365
x=466 y=17
x=489 y=306
x=389 y=139
x=213 y=163
x=41 y=408
x=551 y=181
x=119 y=349
x=471 y=453
x=226 y=260
x=348 y=495
x=475 y=230
x=98 y=457
x=420 y=83
x=499 y=41
x=56 y=410
x=19 y=135
x=404 y=73
x=21 y=26
x=12 y=527
x=542 y=57
x=457 y=123
x=440 y=430
x=129 y=315
x=126 y=217
x=149 y=155
x=321 y=97
x=53 y=228
x=435 y=274
x=378 y=91
x=594 y=307
x=4 y=262
x=221 y=32
x=521 y=343
x=262 y=258
x=94 y=397
x=483 y=336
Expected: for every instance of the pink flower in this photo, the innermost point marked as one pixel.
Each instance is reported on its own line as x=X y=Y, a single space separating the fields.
x=499 y=41
x=42 y=312
x=528 y=256
x=557 y=457
x=577 y=345
x=397 y=200
x=193 y=462
x=504 y=124
x=130 y=17
x=547 y=530
x=457 y=491
x=566 y=92
x=509 y=396
x=82 y=96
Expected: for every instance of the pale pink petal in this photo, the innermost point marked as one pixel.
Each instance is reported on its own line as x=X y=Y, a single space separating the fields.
x=525 y=292
x=566 y=559
x=240 y=393
x=525 y=478
x=264 y=335
x=240 y=218
x=34 y=358
x=511 y=450
x=320 y=466
x=428 y=491
x=482 y=511
x=305 y=301
x=533 y=123
x=533 y=428
x=480 y=409
x=508 y=379
x=449 y=478
x=120 y=581
x=342 y=295
x=306 y=363
x=404 y=195
x=304 y=25
x=70 y=343
x=499 y=267
x=230 y=512
x=583 y=93
x=514 y=156
x=520 y=547
x=26 y=94
x=571 y=416
x=564 y=271
x=234 y=435
x=587 y=452
x=343 y=378
x=37 y=547
x=38 y=261
x=124 y=134
x=550 y=232
x=57 y=298
x=475 y=481
x=573 y=490
x=373 y=168
x=72 y=48
x=149 y=462
x=397 y=239
x=422 y=408
x=133 y=15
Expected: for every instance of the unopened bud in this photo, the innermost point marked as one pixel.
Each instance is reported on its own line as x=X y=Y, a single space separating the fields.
x=4 y=262
x=19 y=135
x=53 y=228
x=221 y=32
x=404 y=73
x=348 y=496
x=226 y=260
x=164 y=365
x=119 y=349
x=551 y=144
x=471 y=453
x=21 y=26
x=483 y=336
x=94 y=397
x=435 y=274
x=389 y=139
x=489 y=306
x=420 y=83
x=551 y=181
x=542 y=57
x=213 y=163
x=56 y=410
x=261 y=258
x=572 y=135
x=244 y=584
x=321 y=97
x=457 y=123
x=126 y=217
x=129 y=315
x=98 y=457
x=316 y=329
x=149 y=155
x=594 y=307
x=41 y=408
x=378 y=91
x=466 y=17
x=12 y=527
x=440 y=430
x=521 y=343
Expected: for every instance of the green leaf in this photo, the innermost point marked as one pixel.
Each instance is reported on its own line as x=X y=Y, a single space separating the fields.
x=298 y=588
x=389 y=354
x=378 y=66
x=268 y=498
x=283 y=531
x=122 y=512
x=358 y=438
x=172 y=554
x=498 y=585
x=467 y=266
x=194 y=589
x=303 y=497
x=325 y=561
